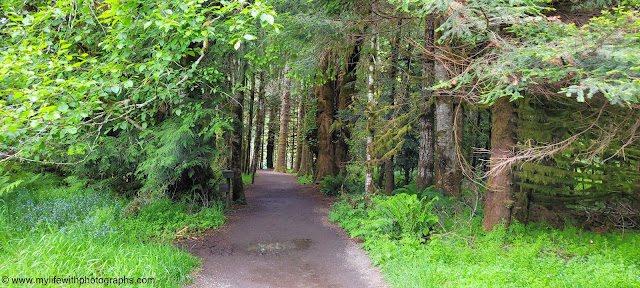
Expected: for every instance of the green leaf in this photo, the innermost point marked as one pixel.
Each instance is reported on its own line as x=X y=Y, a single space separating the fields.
x=63 y=107
x=270 y=19
x=128 y=84
x=147 y=24
x=237 y=45
x=178 y=112
x=115 y=89
x=249 y=37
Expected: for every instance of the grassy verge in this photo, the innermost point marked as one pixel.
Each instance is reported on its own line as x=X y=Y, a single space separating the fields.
x=67 y=231
x=466 y=256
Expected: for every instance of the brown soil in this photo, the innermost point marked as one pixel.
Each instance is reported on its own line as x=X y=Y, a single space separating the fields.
x=282 y=239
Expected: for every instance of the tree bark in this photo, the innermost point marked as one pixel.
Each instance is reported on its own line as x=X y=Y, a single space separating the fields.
x=389 y=176
x=499 y=198
x=306 y=161
x=271 y=135
x=300 y=128
x=345 y=99
x=281 y=160
x=368 y=180
x=236 y=140
x=447 y=172
x=325 y=164
x=425 y=155
x=257 y=144
x=247 y=156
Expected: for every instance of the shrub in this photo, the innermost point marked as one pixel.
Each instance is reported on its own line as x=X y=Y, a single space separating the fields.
x=403 y=214
x=305 y=179
x=333 y=186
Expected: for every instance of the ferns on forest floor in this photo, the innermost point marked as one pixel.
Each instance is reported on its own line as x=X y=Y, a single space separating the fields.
x=466 y=256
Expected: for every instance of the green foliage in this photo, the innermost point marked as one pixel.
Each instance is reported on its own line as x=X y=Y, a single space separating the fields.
x=87 y=230
x=71 y=70
x=599 y=57
x=403 y=214
x=339 y=184
x=246 y=179
x=305 y=179
x=524 y=256
x=166 y=220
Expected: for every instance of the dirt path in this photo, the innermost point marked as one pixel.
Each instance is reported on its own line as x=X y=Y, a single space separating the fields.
x=282 y=239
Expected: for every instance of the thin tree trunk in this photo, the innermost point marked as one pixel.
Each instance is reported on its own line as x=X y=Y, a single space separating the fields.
x=424 y=178
x=301 y=114
x=281 y=159
x=389 y=177
x=259 y=129
x=271 y=135
x=368 y=180
x=252 y=92
x=499 y=197
x=325 y=164
x=236 y=140
x=306 y=161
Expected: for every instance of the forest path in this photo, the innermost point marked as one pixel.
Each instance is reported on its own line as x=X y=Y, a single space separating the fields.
x=282 y=238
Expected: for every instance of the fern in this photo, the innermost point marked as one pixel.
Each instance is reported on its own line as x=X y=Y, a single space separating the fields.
x=403 y=214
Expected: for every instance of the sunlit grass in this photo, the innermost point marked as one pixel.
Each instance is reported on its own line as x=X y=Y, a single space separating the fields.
x=524 y=256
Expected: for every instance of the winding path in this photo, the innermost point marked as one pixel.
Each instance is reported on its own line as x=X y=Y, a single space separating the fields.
x=282 y=239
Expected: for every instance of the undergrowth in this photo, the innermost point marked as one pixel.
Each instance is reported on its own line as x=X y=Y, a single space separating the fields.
x=457 y=252
x=70 y=230
x=305 y=179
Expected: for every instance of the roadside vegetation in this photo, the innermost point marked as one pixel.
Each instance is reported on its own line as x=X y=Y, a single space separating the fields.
x=65 y=227
x=424 y=239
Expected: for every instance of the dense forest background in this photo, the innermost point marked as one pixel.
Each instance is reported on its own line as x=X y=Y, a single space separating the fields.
x=516 y=111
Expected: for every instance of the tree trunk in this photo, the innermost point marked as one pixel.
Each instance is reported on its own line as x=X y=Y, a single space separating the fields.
x=389 y=176
x=325 y=164
x=368 y=180
x=499 y=197
x=271 y=135
x=281 y=160
x=301 y=114
x=236 y=140
x=425 y=155
x=345 y=99
x=247 y=157
x=447 y=173
x=306 y=161
x=257 y=144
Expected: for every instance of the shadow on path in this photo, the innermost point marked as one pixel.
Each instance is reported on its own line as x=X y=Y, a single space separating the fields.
x=282 y=238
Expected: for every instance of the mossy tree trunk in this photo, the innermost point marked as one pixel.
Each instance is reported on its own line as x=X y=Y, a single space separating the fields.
x=499 y=196
x=371 y=103
x=345 y=99
x=389 y=176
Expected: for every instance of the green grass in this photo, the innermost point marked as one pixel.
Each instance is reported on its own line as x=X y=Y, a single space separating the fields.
x=75 y=231
x=246 y=178
x=466 y=256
